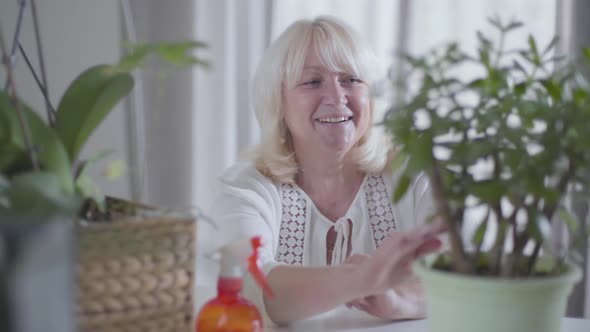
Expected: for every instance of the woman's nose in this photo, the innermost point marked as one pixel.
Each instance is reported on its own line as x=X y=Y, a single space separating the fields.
x=335 y=94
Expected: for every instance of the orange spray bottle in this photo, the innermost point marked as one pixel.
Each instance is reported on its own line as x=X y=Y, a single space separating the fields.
x=229 y=311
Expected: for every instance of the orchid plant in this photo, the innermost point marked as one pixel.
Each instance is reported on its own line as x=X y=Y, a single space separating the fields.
x=40 y=168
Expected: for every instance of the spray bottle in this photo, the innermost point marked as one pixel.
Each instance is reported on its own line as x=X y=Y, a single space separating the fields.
x=229 y=311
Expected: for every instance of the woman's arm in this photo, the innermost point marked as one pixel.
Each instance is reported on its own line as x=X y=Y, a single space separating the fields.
x=301 y=292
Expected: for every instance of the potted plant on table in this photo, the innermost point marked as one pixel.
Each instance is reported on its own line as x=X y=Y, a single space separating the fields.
x=135 y=263
x=501 y=151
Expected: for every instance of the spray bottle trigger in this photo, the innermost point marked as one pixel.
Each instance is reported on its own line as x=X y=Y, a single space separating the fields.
x=254 y=269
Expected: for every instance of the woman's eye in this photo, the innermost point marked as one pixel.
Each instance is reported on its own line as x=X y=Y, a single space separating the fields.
x=312 y=82
x=351 y=81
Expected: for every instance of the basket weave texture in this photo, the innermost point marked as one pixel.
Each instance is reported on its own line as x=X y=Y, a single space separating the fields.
x=136 y=275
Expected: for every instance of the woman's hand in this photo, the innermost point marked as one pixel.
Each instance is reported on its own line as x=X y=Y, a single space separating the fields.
x=405 y=302
x=396 y=293
x=390 y=265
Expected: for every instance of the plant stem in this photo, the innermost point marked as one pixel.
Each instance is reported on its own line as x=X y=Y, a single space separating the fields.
x=35 y=76
x=549 y=210
x=460 y=263
x=50 y=112
x=15 y=37
x=533 y=258
x=26 y=131
x=500 y=49
x=511 y=261
x=485 y=219
x=497 y=251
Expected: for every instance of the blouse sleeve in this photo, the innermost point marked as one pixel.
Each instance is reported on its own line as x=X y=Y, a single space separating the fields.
x=248 y=204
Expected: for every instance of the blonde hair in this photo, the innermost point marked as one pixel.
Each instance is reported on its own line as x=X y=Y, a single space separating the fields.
x=341 y=50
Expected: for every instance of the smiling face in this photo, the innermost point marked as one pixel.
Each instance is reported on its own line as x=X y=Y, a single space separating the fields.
x=326 y=111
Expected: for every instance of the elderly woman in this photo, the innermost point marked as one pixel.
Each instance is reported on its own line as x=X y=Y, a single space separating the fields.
x=318 y=187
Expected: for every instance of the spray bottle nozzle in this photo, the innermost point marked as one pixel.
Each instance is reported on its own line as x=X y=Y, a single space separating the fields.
x=254 y=268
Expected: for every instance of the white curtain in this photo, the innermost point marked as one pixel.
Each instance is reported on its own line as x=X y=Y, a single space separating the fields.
x=224 y=123
x=574 y=30
x=186 y=128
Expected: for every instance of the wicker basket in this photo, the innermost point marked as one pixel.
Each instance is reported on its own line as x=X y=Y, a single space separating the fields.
x=136 y=275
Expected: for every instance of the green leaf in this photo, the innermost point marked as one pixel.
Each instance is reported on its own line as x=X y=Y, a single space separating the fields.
x=480 y=232
x=483 y=40
x=88 y=189
x=484 y=56
x=84 y=184
x=477 y=83
x=580 y=96
x=175 y=53
x=399 y=161
x=134 y=58
x=39 y=193
x=495 y=21
x=50 y=150
x=420 y=151
x=115 y=169
x=520 y=88
x=551 y=44
x=4 y=194
x=553 y=89
x=489 y=190
x=83 y=169
x=534 y=51
x=513 y=25
x=518 y=66
x=87 y=101
x=401 y=188
x=11 y=157
x=569 y=219
x=417 y=62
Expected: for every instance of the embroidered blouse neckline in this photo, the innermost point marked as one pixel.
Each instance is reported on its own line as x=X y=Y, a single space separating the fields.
x=360 y=190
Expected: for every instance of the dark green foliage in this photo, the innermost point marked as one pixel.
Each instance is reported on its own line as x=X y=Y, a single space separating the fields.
x=522 y=122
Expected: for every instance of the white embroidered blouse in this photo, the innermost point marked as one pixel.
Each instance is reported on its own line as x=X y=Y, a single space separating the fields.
x=295 y=232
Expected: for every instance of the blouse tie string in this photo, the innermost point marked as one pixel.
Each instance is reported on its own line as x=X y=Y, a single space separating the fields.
x=340 y=252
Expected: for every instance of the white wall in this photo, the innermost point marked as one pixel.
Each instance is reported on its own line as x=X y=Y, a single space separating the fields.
x=75 y=34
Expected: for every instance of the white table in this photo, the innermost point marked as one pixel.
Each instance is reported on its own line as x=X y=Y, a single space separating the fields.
x=352 y=320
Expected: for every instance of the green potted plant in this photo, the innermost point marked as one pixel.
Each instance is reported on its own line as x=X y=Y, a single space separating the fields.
x=502 y=150
x=135 y=263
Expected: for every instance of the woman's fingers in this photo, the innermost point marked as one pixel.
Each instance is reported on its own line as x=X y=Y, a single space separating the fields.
x=363 y=301
x=427 y=247
x=422 y=240
x=360 y=304
x=390 y=264
x=356 y=259
x=415 y=236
